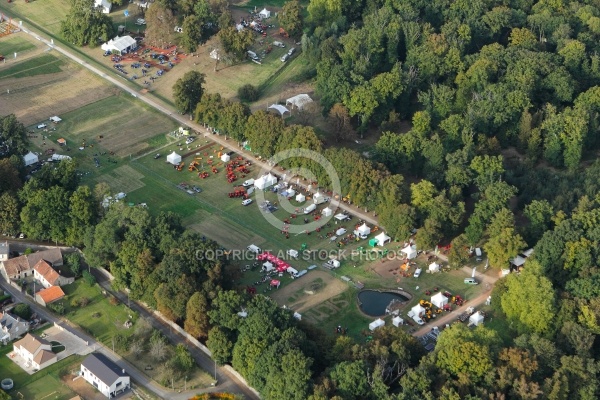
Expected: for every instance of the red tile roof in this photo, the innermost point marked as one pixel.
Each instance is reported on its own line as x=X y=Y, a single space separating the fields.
x=45 y=270
x=51 y=294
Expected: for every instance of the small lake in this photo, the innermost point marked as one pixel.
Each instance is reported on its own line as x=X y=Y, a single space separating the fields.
x=374 y=303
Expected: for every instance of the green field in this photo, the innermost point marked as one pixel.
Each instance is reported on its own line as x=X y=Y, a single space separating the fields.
x=48 y=13
x=99 y=318
x=49 y=387
x=15 y=44
x=42 y=65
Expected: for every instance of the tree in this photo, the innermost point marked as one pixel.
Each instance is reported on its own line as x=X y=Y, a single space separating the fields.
x=85 y=24
x=23 y=310
x=188 y=91
x=235 y=43
x=262 y=131
x=429 y=235
x=192 y=33
x=220 y=345
x=290 y=18
x=183 y=358
x=489 y=169
x=9 y=214
x=399 y=220
x=248 y=93
x=11 y=180
x=83 y=213
x=160 y=21
x=13 y=137
x=45 y=215
x=339 y=120
x=501 y=248
x=459 y=251
x=233 y=118
x=196 y=320
x=73 y=262
x=529 y=300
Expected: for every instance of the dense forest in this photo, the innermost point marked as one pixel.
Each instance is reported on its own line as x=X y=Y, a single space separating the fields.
x=504 y=101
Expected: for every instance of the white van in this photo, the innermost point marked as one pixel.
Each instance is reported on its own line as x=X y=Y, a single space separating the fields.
x=248 y=183
x=471 y=281
x=418 y=272
x=254 y=248
x=310 y=209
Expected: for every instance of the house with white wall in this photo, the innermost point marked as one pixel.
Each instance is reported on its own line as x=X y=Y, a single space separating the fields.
x=105 y=375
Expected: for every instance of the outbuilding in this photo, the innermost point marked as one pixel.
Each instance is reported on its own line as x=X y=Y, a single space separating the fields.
x=30 y=158
x=174 y=158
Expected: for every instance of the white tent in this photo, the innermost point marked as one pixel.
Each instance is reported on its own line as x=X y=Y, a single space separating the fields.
x=215 y=53
x=123 y=44
x=434 y=267
x=528 y=253
x=298 y=101
x=298 y=316
x=268 y=266
x=382 y=239
x=225 y=157
x=281 y=109
x=56 y=119
x=327 y=212
x=397 y=321
x=439 y=300
x=416 y=311
x=476 y=319
x=518 y=261
x=265 y=13
x=341 y=217
x=300 y=198
x=59 y=157
x=174 y=158
x=104 y=5
x=265 y=181
x=376 y=324
x=410 y=251
x=318 y=198
x=363 y=229
x=30 y=158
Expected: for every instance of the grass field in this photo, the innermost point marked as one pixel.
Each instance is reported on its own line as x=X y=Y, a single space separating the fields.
x=15 y=44
x=47 y=13
x=42 y=65
x=99 y=318
x=47 y=388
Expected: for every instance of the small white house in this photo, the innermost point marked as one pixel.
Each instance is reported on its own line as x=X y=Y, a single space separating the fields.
x=439 y=300
x=174 y=158
x=476 y=319
x=376 y=324
x=264 y=14
x=30 y=158
x=105 y=375
x=410 y=251
x=104 y=5
x=36 y=351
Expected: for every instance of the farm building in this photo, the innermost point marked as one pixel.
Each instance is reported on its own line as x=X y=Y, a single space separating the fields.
x=30 y=158
x=298 y=101
x=120 y=44
x=174 y=158
x=104 y=5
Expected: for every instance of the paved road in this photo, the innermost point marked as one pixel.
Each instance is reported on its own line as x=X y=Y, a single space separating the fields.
x=227 y=382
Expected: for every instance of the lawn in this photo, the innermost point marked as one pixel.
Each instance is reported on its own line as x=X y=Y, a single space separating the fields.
x=99 y=318
x=47 y=388
x=15 y=44
x=48 y=13
x=41 y=65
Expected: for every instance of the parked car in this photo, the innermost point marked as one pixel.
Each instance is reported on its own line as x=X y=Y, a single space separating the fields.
x=471 y=281
x=291 y=51
x=42 y=126
x=247 y=202
x=22 y=236
x=418 y=272
x=284 y=57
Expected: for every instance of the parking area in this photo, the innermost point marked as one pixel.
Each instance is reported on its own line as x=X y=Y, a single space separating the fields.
x=73 y=344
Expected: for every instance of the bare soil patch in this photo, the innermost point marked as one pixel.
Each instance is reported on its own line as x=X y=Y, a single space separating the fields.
x=314 y=288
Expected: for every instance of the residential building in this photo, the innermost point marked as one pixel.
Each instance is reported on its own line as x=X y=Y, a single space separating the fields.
x=48 y=276
x=49 y=295
x=36 y=351
x=12 y=327
x=4 y=251
x=105 y=375
x=22 y=266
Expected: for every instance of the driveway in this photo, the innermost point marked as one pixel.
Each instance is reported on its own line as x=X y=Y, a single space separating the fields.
x=73 y=343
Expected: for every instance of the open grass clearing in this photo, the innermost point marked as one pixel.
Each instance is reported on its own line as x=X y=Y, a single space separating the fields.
x=47 y=388
x=48 y=13
x=99 y=318
x=15 y=43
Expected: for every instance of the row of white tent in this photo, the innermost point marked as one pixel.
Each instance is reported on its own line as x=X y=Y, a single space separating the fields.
x=378 y=323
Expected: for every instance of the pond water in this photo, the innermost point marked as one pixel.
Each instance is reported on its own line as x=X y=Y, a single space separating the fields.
x=374 y=303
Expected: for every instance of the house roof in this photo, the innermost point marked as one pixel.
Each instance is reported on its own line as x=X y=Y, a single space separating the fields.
x=103 y=368
x=52 y=256
x=12 y=326
x=31 y=343
x=51 y=294
x=45 y=270
x=43 y=357
x=14 y=266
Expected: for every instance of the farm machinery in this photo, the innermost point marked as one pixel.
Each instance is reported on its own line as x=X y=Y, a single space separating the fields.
x=180 y=166
x=239 y=191
x=203 y=175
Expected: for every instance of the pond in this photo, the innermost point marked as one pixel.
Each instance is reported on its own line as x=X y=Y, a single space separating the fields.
x=374 y=303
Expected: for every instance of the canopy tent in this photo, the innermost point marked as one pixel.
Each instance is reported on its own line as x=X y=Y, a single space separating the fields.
x=56 y=119
x=397 y=321
x=300 y=198
x=281 y=109
x=341 y=217
x=122 y=44
x=289 y=193
x=383 y=239
x=376 y=324
x=264 y=13
x=225 y=157
x=363 y=229
x=476 y=318
x=61 y=141
x=318 y=198
x=30 y=158
x=439 y=300
x=434 y=267
x=410 y=251
x=265 y=181
x=174 y=158
x=268 y=266
x=275 y=283
x=327 y=212
x=417 y=311
x=299 y=101
x=373 y=242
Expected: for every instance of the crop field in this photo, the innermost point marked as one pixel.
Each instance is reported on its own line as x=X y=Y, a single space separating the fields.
x=47 y=13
